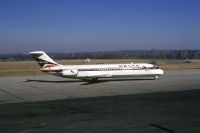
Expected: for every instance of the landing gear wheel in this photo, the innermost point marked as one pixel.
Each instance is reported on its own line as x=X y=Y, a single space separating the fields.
x=156 y=77
x=94 y=79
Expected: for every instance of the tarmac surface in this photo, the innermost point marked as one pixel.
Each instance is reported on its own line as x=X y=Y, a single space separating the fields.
x=42 y=88
x=50 y=104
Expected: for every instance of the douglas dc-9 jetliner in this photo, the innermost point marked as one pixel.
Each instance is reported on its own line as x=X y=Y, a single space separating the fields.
x=93 y=72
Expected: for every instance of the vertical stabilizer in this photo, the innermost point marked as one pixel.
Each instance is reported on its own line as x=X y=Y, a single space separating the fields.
x=43 y=59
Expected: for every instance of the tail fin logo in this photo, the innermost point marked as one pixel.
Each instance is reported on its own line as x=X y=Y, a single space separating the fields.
x=49 y=65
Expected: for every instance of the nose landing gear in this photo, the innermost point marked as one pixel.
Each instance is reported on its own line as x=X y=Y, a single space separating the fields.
x=156 y=77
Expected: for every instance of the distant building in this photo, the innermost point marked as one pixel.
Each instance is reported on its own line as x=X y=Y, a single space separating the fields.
x=11 y=59
x=87 y=60
x=187 y=61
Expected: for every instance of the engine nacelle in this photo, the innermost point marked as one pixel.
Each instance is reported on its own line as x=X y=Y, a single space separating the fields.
x=70 y=72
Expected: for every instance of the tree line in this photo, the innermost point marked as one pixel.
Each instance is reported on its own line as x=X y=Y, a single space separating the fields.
x=126 y=54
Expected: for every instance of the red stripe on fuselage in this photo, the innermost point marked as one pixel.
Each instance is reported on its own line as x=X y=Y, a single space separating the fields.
x=49 y=65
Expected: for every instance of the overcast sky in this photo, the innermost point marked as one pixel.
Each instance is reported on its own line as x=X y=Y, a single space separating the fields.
x=98 y=25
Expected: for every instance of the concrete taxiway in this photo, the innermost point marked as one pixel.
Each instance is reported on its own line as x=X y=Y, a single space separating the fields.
x=42 y=88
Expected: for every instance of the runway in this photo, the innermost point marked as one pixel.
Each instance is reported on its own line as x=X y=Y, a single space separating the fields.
x=43 y=88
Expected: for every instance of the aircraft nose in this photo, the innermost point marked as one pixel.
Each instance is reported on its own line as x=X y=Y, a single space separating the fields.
x=161 y=72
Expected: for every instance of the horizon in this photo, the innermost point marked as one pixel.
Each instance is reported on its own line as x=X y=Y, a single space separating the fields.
x=56 y=52
x=93 y=26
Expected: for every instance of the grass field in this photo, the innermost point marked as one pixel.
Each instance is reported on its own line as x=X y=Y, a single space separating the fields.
x=22 y=68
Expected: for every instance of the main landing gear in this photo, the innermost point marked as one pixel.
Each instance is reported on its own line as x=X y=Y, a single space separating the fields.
x=94 y=79
x=90 y=79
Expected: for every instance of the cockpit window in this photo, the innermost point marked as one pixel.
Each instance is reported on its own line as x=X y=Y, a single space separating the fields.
x=155 y=67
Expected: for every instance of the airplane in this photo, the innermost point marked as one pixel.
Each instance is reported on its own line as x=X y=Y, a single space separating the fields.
x=95 y=71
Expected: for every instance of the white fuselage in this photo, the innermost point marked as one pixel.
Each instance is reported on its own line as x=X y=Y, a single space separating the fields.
x=104 y=70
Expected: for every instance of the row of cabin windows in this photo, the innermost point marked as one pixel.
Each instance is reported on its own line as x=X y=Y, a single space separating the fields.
x=114 y=69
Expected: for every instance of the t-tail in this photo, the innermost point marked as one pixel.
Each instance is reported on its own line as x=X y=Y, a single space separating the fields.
x=43 y=59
